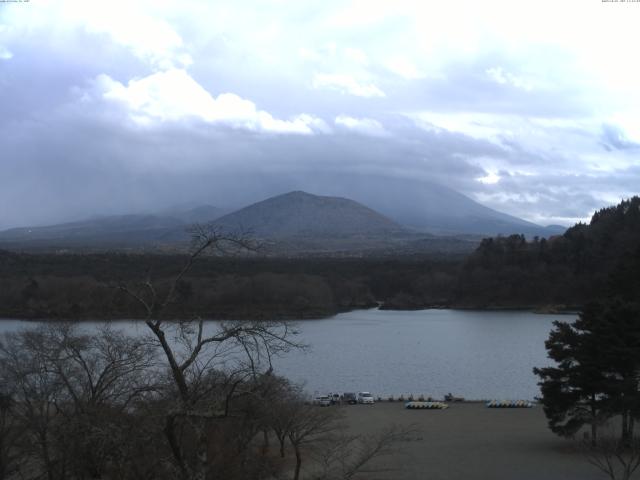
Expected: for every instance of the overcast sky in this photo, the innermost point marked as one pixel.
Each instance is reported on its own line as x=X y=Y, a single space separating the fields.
x=529 y=107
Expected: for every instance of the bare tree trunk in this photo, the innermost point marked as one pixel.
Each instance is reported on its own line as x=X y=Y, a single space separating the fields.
x=265 y=442
x=296 y=475
x=202 y=447
x=176 y=371
x=44 y=445
x=625 y=427
x=170 y=433
x=594 y=426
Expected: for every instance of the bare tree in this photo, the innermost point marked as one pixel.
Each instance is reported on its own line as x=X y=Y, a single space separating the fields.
x=309 y=424
x=614 y=457
x=348 y=456
x=334 y=453
x=71 y=393
x=284 y=402
x=239 y=349
x=100 y=375
x=35 y=392
x=10 y=434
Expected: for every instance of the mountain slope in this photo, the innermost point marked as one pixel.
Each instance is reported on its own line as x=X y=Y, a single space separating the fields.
x=435 y=208
x=195 y=213
x=402 y=216
x=117 y=230
x=114 y=231
x=300 y=214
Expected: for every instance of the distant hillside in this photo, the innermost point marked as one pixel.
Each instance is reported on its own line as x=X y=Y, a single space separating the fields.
x=300 y=214
x=416 y=218
x=112 y=231
x=293 y=224
x=434 y=208
x=118 y=229
x=568 y=269
x=196 y=214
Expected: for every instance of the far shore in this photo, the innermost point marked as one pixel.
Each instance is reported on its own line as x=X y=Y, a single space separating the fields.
x=538 y=309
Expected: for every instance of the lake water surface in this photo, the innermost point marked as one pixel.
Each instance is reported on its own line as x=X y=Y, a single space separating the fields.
x=474 y=354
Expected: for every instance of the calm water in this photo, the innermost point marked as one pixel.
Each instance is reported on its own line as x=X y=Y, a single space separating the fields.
x=474 y=354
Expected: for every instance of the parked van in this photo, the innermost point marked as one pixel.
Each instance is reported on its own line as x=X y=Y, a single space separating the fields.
x=365 y=398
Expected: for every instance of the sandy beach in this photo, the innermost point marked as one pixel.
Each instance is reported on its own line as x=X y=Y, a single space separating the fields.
x=469 y=441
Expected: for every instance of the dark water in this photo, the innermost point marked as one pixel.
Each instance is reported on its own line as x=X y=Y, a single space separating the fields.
x=474 y=354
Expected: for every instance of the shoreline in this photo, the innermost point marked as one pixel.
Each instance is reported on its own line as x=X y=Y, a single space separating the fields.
x=537 y=309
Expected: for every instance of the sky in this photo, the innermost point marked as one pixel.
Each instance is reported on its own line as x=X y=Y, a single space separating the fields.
x=528 y=107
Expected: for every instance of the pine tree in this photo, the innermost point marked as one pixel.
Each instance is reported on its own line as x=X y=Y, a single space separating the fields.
x=573 y=391
x=598 y=369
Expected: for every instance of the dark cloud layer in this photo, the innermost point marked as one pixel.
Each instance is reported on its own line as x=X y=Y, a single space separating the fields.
x=97 y=117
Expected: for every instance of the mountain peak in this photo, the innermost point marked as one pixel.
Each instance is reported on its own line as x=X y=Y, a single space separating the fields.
x=297 y=193
x=304 y=196
x=299 y=213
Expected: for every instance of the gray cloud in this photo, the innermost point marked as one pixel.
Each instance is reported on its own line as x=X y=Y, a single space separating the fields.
x=519 y=132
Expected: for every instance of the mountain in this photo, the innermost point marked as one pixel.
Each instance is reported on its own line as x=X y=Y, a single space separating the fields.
x=430 y=207
x=400 y=217
x=299 y=224
x=296 y=222
x=441 y=210
x=190 y=214
x=300 y=214
x=113 y=230
x=552 y=230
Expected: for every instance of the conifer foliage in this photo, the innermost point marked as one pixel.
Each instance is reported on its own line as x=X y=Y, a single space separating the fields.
x=597 y=371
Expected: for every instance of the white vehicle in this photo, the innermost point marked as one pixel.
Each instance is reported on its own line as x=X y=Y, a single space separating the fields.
x=322 y=400
x=365 y=398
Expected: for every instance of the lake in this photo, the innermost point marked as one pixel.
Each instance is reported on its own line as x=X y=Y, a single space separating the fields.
x=473 y=354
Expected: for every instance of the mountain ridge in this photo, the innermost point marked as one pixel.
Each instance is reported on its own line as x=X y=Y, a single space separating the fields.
x=431 y=207
x=299 y=213
x=296 y=221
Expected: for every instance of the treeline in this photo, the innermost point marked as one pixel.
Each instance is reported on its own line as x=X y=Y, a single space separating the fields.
x=86 y=286
x=504 y=272
x=565 y=270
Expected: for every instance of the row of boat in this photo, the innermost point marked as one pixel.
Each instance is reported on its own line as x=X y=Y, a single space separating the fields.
x=427 y=405
x=492 y=404
x=509 y=404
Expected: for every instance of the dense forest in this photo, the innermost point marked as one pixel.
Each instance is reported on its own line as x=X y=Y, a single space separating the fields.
x=564 y=270
x=504 y=272
x=86 y=286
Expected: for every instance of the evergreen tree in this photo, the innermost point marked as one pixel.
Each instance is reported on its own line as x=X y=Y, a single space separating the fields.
x=615 y=324
x=597 y=371
x=573 y=391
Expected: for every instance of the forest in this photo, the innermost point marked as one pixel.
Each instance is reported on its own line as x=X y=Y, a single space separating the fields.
x=558 y=273
x=85 y=286
x=566 y=270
